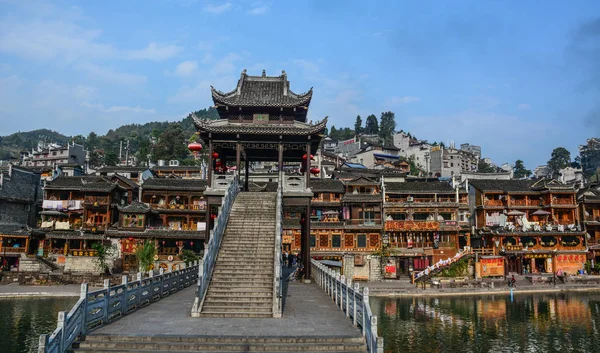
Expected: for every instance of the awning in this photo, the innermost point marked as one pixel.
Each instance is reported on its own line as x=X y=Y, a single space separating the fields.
x=515 y=213
x=331 y=263
x=541 y=213
x=54 y=213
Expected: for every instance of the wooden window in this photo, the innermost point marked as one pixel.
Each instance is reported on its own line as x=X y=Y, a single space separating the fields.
x=323 y=241
x=361 y=240
x=336 y=240
x=261 y=118
x=373 y=240
x=313 y=240
x=297 y=240
x=349 y=240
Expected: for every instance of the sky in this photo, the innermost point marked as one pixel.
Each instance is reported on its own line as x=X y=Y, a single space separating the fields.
x=518 y=78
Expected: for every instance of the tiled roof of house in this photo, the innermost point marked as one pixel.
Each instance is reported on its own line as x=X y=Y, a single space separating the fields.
x=503 y=185
x=123 y=169
x=419 y=187
x=83 y=183
x=174 y=184
x=14 y=229
x=362 y=180
x=262 y=91
x=327 y=185
x=135 y=207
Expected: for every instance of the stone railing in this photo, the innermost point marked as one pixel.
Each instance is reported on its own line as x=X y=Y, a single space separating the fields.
x=277 y=288
x=214 y=243
x=222 y=182
x=101 y=307
x=293 y=183
x=351 y=301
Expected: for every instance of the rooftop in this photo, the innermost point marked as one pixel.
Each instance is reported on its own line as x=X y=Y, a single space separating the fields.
x=82 y=183
x=419 y=187
x=174 y=184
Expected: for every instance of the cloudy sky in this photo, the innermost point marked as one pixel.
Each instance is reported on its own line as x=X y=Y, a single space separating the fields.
x=517 y=78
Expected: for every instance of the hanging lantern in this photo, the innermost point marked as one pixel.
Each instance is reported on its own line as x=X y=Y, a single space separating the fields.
x=215 y=155
x=130 y=239
x=192 y=243
x=213 y=216
x=195 y=147
x=315 y=170
x=218 y=164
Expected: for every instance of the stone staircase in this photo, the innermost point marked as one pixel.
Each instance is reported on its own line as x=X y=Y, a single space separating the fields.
x=242 y=280
x=223 y=344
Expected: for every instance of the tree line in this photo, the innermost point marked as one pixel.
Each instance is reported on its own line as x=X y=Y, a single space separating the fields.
x=384 y=128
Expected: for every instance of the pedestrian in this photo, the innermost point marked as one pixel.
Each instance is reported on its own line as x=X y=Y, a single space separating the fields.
x=290 y=260
x=511 y=282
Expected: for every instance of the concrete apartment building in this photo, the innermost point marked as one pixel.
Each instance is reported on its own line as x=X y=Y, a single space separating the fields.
x=446 y=162
x=409 y=147
x=50 y=155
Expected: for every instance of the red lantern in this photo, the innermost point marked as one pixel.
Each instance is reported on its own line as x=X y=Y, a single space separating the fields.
x=130 y=239
x=215 y=155
x=195 y=147
x=192 y=243
x=218 y=164
x=311 y=156
x=213 y=216
x=315 y=170
x=164 y=242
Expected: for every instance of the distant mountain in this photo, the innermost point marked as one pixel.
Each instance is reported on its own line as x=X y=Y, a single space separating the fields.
x=138 y=135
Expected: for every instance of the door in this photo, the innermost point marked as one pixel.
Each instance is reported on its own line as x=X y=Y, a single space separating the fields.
x=130 y=263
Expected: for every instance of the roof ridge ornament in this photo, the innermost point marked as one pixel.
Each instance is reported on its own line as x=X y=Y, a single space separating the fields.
x=285 y=82
x=264 y=73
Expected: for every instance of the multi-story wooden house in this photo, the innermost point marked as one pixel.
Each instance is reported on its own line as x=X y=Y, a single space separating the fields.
x=172 y=214
x=589 y=202
x=533 y=224
x=421 y=224
x=76 y=213
x=326 y=222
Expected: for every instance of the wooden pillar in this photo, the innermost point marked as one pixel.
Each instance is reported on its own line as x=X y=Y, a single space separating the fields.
x=306 y=243
x=308 y=164
x=210 y=160
x=247 y=170
x=238 y=156
x=280 y=158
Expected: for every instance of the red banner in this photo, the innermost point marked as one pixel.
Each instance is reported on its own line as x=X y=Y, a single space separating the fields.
x=412 y=225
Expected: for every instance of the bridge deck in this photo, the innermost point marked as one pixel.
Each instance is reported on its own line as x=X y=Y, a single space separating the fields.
x=307 y=312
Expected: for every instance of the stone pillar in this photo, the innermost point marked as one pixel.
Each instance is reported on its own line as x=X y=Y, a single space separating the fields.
x=280 y=158
x=247 y=169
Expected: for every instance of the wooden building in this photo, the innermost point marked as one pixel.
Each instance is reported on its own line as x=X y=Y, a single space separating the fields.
x=421 y=224
x=534 y=224
x=589 y=202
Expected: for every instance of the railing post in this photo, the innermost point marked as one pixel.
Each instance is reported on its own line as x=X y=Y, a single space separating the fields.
x=348 y=289
x=83 y=295
x=106 y=301
x=342 y=284
x=365 y=303
x=354 y=293
x=62 y=315
x=161 y=275
x=42 y=343
x=373 y=333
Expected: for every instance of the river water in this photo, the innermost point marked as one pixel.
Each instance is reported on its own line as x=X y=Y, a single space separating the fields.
x=23 y=320
x=560 y=322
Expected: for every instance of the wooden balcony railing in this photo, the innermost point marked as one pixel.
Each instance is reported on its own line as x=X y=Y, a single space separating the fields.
x=96 y=226
x=96 y=200
x=591 y=218
x=493 y=203
x=562 y=201
x=178 y=207
x=363 y=222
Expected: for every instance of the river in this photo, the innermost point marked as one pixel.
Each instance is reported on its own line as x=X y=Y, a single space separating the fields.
x=23 y=320
x=560 y=322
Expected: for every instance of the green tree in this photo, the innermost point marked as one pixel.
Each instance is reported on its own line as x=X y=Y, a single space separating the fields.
x=519 y=171
x=483 y=167
x=358 y=125
x=387 y=128
x=104 y=253
x=171 y=144
x=111 y=158
x=560 y=158
x=145 y=254
x=371 y=125
x=334 y=133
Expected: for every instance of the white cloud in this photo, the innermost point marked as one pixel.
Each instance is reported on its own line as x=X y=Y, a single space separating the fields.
x=118 y=108
x=259 y=10
x=154 y=52
x=226 y=65
x=108 y=74
x=403 y=100
x=186 y=69
x=47 y=40
x=523 y=106
x=218 y=9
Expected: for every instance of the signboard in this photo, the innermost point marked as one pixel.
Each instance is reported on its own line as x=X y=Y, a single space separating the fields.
x=347 y=142
x=451 y=223
x=390 y=270
x=261 y=118
x=570 y=264
x=493 y=266
x=411 y=225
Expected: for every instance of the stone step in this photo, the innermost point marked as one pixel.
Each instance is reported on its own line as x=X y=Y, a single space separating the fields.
x=224 y=339
x=239 y=292
x=265 y=303
x=236 y=315
x=238 y=298
x=236 y=282
x=267 y=309
x=212 y=347
x=259 y=278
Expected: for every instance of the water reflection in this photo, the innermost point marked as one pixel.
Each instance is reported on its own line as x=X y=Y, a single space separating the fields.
x=23 y=320
x=561 y=322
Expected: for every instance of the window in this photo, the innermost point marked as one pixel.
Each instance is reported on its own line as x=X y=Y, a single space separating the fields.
x=336 y=240
x=362 y=240
x=133 y=220
x=313 y=240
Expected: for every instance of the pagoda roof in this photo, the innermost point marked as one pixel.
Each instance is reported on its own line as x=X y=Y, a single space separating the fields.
x=227 y=127
x=262 y=91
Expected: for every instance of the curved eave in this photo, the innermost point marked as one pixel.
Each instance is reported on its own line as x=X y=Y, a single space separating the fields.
x=255 y=129
x=231 y=99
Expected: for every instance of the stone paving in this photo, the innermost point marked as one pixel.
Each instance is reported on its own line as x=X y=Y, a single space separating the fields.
x=307 y=311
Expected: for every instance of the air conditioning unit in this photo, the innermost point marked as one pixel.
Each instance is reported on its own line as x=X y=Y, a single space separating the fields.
x=410 y=199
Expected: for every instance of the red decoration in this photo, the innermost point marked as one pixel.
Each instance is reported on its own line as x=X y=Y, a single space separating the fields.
x=192 y=243
x=302 y=220
x=215 y=155
x=130 y=239
x=163 y=242
x=213 y=216
x=218 y=164
x=315 y=170
x=311 y=156
x=195 y=147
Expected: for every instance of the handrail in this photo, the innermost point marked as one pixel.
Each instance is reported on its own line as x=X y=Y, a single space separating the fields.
x=101 y=307
x=349 y=299
x=214 y=243
x=440 y=265
x=277 y=287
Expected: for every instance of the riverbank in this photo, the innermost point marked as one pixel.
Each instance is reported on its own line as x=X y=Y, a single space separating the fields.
x=406 y=289
x=19 y=291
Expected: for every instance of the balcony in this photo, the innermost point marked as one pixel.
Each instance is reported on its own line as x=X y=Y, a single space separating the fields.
x=365 y=222
x=412 y=225
x=563 y=201
x=96 y=200
x=591 y=219
x=524 y=203
x=494 y=203
x=95 y=227
x=188 y=207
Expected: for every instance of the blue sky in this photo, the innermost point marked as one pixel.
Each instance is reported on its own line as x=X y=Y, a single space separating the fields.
x=517 y=78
